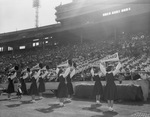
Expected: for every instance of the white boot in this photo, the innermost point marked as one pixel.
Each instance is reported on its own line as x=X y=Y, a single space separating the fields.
x=111 y=109
x=61 y=104
x=33 y=101
x=97 y=102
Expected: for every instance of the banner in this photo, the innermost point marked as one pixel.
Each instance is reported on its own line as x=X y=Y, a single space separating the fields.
x=113 y=57
x=63 y=64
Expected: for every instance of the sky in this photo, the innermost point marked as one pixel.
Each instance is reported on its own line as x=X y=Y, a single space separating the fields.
x=19 y=14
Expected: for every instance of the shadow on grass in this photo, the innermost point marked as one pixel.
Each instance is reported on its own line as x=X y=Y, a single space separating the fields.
x=83 y=99
x=13 y=105
x=4 y=100
x=67 y=102
x=16 y=105
x=94 y=107
x=106 y=114
x=26 y=102
x=45 y=110
x=49 y=109
x=37 y=99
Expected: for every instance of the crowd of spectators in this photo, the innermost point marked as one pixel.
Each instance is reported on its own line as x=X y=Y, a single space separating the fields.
x=133 y=50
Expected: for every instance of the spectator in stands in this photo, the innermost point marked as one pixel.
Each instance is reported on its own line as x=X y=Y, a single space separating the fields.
x=121 y=77
x=128 y=45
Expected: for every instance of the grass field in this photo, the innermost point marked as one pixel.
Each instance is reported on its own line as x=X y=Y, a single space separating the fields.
x=49 y=107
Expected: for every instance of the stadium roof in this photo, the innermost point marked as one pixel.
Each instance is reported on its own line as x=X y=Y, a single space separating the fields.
x=50 y=29
x=28 y=33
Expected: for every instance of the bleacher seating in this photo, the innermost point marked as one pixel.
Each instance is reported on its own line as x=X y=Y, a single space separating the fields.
x=133 y=51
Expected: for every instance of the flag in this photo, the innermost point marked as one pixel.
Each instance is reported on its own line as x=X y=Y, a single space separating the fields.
x=63 y=64
x=113 y=57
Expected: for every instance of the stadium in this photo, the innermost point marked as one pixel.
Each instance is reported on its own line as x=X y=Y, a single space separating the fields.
x=87 y=36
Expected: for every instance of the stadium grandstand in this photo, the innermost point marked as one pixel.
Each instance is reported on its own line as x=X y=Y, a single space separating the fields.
x=86 y=34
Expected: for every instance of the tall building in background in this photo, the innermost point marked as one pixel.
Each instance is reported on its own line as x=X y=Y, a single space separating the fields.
x=36 y=5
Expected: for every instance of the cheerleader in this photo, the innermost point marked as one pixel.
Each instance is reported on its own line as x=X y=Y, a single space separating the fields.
x=62 y=87
x=41 y=87
x=98 y=89
x=11 y=76
x=57 y=72
x=110 y=88
x=70 y=70
x=72 y=75
x=10 y=88
x=25 y=74
x=33 y=87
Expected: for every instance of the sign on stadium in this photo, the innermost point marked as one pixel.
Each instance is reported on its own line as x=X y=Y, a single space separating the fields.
x=116 y=11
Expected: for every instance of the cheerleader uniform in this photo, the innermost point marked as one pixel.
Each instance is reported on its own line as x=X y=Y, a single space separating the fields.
x=41 y=85
x=23 y=84
x=98 y=89
x=110 y=88
x=62 y=88
x=69 y=85
x=10 y=88
x=33 y=87
x=41 y=88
